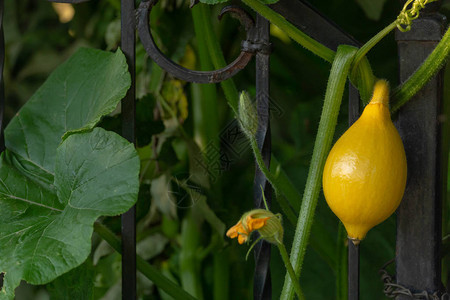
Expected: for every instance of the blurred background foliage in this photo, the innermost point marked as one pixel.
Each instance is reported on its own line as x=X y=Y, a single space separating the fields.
x=195 y=182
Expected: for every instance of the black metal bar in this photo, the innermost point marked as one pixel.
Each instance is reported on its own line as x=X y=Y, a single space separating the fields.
x=249 y=48
x=418 y=260
x=262 y=288
x=128 y=28
x=308 y=19
x=353 y=270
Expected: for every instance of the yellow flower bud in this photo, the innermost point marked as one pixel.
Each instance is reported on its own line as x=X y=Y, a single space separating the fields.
x=264 y=221
x=248 y=116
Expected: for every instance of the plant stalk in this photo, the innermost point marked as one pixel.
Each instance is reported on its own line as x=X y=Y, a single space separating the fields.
x=290 y=270
x=333 y=97
x=371 y=43
x=206 y=128
x=216 y=56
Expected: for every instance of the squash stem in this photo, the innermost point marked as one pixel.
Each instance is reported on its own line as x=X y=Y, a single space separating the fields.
x=290 y=270
x=333 y=97
x=371 y=43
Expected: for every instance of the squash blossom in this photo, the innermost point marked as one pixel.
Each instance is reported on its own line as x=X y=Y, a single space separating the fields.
x=264 y=221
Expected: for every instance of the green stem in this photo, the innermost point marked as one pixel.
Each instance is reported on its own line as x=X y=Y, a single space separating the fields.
x=290 y=270
x=189 y=262
x=144 y=267
x=430 y=67
x=272 y=180
x=216 y=55
x=221 y=276
x=281 y=182
x=206 y=121
x=292 y=31
x=371 y=43
x=363 y=78
x=204 y=104
x=361 y=74
x=333 y=97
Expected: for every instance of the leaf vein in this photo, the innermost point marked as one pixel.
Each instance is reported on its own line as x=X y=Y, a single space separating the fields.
x=29 y=201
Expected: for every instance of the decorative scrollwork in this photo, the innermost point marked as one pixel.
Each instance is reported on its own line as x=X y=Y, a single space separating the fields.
x=249 y=47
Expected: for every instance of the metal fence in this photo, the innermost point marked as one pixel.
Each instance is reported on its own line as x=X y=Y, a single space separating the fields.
x=418 y=261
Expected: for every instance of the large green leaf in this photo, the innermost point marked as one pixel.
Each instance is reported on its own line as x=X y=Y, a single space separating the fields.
x=76 y=95
x=76 y=284
x=53 y=189
x=45 y=233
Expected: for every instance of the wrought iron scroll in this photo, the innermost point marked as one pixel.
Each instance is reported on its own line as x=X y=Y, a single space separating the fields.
x=249 y=47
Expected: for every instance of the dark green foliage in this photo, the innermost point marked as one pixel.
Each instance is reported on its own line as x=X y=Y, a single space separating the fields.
x=188 y=186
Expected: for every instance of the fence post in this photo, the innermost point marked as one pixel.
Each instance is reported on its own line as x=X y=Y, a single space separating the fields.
x=128 y=40
x=262 y=287
x=418 y=261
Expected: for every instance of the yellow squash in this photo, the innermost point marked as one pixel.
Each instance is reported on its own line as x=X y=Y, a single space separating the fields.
x=365 y=173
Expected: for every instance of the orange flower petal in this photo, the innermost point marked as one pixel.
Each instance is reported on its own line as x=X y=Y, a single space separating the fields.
x=242 y=238
x=237 y=230
x=254 y=224
x=233 y=231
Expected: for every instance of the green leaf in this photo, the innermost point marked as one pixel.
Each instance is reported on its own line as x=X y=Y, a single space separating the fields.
x=77 y=94
x=372 y=8
x=45 y=233
x=76 y=284
x=53 y=189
